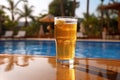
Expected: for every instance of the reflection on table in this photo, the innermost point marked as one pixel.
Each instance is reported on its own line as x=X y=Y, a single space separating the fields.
x=21 y=67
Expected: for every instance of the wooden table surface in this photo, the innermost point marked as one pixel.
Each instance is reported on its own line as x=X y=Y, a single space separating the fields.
x=24 y=67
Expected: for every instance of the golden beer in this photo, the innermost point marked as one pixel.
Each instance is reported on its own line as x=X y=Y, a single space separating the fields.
x=65 y=34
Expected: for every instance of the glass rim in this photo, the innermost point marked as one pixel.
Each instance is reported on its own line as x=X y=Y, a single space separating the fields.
x=66 y=18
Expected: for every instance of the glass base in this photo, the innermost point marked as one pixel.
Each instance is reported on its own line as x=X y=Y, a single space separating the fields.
x=69 y=63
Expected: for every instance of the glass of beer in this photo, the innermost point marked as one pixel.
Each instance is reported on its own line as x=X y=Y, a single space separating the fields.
x=65 y=35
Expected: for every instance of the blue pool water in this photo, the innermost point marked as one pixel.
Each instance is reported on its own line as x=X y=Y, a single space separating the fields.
x=84 y=49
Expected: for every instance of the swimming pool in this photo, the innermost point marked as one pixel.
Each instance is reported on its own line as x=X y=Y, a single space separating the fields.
x=84 y=49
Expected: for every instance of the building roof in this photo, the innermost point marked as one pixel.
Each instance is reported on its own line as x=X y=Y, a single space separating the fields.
x=115 y=6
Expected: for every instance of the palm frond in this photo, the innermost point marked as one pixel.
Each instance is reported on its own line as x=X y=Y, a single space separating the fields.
x=11 y=4
x=32 y=17
x=19 y=11
x=20 y=16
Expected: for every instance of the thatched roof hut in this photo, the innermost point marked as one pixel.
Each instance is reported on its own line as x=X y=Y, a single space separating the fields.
x=113 y=6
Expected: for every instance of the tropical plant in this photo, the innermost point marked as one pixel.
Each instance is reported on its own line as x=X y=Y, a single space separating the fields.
x=26 y=13
x=33 y=29
x=10 y=25
x=1 y=19
x=1 y=15
x=62 y=7
x=91 y=25
x=13 y=7
x=108 y=17
x=1 y=11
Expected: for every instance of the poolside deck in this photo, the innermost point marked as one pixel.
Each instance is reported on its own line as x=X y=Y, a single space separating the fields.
x=53 y=39
x=22 y=67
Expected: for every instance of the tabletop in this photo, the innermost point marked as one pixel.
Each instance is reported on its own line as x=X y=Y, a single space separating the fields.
x=26 y=67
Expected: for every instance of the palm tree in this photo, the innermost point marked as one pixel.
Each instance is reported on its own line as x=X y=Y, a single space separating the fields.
x=13 y=7
x=74 y=6
x=1 y=15
x=1 y=18
x=26 y=13
x=87 y=13
x=102 y=1
x=87 y=8
x=102 y=14
x=62 y=7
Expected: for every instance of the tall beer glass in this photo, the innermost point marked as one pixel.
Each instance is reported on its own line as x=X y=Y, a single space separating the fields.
x=65 y=35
